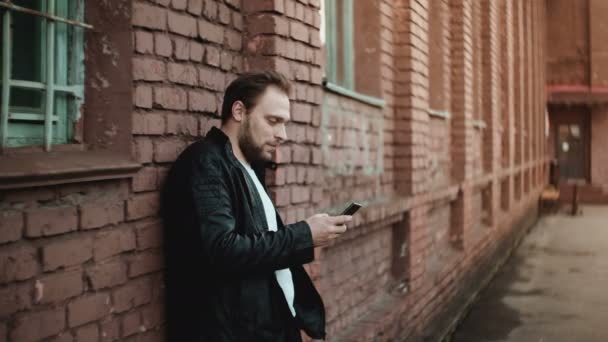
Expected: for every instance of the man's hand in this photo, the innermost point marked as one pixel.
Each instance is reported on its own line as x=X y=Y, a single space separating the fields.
x=325 y=228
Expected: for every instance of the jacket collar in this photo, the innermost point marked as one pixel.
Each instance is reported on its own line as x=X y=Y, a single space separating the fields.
x=218 y=136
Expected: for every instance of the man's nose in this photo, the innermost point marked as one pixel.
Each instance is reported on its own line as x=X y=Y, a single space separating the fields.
x=281 y=133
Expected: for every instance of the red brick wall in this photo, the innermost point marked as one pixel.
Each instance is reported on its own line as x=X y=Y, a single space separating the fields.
x=599 y=141
x=82 y=262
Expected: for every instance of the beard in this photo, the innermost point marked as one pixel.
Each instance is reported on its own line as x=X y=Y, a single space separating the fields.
x=251 y=151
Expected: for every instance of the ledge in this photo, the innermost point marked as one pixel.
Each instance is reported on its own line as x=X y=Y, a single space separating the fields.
x=370 y=100
x=39 y=169
x=443 y=114
x=479 y=124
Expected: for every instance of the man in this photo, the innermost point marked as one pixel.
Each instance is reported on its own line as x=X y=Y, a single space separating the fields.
x=233 y=269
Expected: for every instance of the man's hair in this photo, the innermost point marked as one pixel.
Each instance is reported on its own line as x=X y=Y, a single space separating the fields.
x=248 y=87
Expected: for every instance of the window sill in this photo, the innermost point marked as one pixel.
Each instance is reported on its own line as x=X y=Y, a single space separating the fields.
x=40 y=169
x=443 y=114
x=479 y=124
x=370 y=100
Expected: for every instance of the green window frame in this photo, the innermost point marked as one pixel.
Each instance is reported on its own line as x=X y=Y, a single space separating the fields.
x=42 y=71
x=340 y=61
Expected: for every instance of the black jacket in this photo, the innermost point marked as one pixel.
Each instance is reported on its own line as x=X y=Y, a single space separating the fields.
x=221 y=258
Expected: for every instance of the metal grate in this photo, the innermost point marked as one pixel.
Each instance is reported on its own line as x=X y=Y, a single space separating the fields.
x=48 y=85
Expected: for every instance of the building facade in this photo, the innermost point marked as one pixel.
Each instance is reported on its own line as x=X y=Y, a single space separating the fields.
x=431 y=113
x=577 y=86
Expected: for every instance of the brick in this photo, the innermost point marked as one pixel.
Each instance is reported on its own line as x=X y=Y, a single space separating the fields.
x=268 y=24
x=284 y=154
x=18 y=263
x=88 y=309
x=148 y=69
x=14 y=298
x=59 y=286
x=149 y=16
x=133 y=294
x=34 y=326
x=67 y=252
x=237 y=21
x=167 y=150
x=225 y=60
x=63 y=337
x=224 y=14
x=110 y=330
x=300 y=154
x=50 y=221
x=179 y=5
x=112 y=242
x=201 y=101
x=212 y=56
x=87 y=333
x=211 y=78
x=182 y=124
x=149 y=261
x=263 y=6
x=108 y=274
x=300 y=194
x=182 y=74
x=143 y=149
x=233 y=40
x=148 y=123
x=170 y=98
x=11 y=226
x=131 y=323
x=195 y=7
x=144 y=42
x=143 y=96
x=181 y=24
x=280 y=196
x=197 y=51
x=301 y=113
x=162 y=45
x=153 y=314
x=298 y=31
x=148 y=234
x=145 y=179
x=210 y=10
x=181 y=49
x=210 y=32
x=142 y=205
x=96 y=215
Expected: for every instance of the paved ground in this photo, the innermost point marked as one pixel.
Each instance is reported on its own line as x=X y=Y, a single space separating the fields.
x=553 y=289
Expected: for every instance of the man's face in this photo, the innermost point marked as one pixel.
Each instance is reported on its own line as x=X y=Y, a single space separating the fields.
x=263 y=128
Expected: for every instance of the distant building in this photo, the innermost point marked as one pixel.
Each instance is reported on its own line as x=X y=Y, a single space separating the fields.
x=431 y=112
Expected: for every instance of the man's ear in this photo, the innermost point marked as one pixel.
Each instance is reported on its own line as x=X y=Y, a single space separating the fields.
x=238 y=111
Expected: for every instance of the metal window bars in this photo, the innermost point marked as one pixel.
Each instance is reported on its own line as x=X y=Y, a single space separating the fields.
x=48 y=85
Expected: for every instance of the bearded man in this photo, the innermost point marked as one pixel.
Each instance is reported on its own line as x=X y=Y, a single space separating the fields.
x=233 y=269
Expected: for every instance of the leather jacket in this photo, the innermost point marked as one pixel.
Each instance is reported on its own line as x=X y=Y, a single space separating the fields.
x=220 y=257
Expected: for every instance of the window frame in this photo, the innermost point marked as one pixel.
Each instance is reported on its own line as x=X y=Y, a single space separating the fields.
x=346 y=55
x=103 y=135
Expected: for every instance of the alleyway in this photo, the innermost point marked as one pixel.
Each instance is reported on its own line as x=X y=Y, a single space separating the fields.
x=553 y=289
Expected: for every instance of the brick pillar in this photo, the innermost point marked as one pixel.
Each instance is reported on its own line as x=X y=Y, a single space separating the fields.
x=411 y=96
x=492 y=101
x=284 y=36
x=462 y=113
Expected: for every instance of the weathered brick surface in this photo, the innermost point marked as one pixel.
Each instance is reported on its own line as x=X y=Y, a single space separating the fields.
x=457 y=141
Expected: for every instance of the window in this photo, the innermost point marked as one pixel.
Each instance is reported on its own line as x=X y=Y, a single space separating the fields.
x=352 y=49
x=42 y=72
x=59 y=124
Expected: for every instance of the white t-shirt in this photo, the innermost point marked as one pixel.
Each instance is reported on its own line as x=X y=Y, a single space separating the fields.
x=284 y=277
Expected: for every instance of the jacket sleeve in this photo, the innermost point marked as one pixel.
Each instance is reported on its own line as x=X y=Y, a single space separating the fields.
x=231 y=252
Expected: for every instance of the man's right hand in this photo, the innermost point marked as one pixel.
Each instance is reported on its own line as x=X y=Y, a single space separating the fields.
x=325 y=228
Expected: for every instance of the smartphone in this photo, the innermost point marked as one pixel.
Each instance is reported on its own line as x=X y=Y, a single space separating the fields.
x=351 y=209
